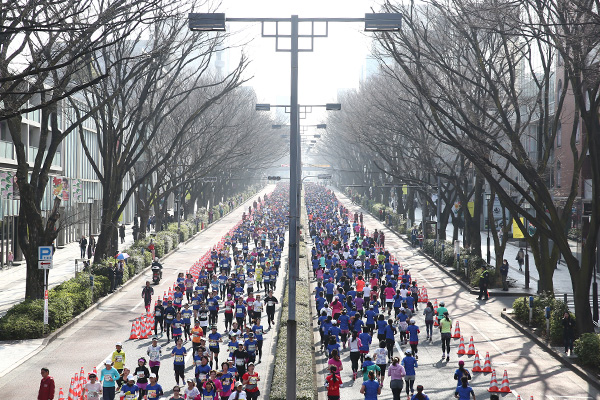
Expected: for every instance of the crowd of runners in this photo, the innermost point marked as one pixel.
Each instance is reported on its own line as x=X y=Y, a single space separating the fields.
x=368 y=307
x=219 y=316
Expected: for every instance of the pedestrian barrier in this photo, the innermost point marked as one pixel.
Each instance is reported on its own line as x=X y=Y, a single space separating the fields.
x=487 y=366
x=471 y=350
x=504 y=388
x=477 y=364
x=493 y=383
x=461 y=347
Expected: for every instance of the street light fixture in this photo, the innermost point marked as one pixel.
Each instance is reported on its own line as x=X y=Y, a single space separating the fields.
x=488 y=196
x=217 y=22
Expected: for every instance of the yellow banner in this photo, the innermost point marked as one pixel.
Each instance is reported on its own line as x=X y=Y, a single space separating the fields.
x=471 y=207
x=517 y=233
x=404 y=189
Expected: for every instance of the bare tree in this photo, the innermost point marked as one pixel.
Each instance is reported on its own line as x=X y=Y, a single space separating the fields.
x=154 y=79
x=487 y=75
x=43 y=45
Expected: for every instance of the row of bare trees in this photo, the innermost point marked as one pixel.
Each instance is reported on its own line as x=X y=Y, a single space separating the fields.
x=134 y=71
x=467 y=92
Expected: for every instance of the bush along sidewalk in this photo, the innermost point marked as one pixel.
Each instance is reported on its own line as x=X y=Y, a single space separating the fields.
x=72 y=297
x=468 y=267
x=586 y=346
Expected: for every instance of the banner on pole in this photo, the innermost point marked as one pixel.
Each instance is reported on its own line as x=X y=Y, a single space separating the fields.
x=76 y=190
x=517 y=233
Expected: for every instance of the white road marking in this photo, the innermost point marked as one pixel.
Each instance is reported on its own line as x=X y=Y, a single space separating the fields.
x=137 y=305
x=487 y=338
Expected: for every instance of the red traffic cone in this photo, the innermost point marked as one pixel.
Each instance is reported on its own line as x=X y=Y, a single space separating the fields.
x=71 y=395
x=425 y=297
x=61 y=394
x=476 y=363
x=435 y=306
x=487 y=366
x=461 y=347
x=456 y=334
x=435 y=321
x=133 y=334
x=504 y=386
x=518 y=397
x=471 y=350
x=493 y=383
x=95 y=372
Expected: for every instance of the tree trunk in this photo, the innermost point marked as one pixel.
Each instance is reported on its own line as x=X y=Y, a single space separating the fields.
x=105 y=246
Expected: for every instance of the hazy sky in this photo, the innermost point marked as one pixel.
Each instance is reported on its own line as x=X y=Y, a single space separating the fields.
x=334 y=64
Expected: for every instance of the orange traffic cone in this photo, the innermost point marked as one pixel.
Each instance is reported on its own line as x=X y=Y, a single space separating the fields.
x=487 y=366
x=420 y=300
x=476 y=363
x=435 y=306
x=95 y=372
x=71 y=395
x=493 y=383
x=425 y=297
x=142 y=330
x=133 y=334
x=471 y=350
x=461 y=347
x=504 y=386
x=456 y=334
x=518 y=397
x=435 y=321
x=61 y=394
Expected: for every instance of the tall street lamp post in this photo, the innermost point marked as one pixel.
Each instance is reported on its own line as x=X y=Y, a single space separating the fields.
x=217 y=22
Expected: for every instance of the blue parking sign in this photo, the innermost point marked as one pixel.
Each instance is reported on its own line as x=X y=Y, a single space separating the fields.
x=45 y=253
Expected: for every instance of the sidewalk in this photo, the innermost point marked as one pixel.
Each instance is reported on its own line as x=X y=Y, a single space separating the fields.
x=561 y=278
x=12 y=280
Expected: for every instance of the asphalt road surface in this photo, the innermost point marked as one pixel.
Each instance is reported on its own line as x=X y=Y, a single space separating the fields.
x=90 y=341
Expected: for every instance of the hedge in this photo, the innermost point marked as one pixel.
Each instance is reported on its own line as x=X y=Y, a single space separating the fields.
x=587 y=349
x=558 y=309
x=304 y=342
x=72 y=297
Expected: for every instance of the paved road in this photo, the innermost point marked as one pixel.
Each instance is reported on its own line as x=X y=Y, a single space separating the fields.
x=91 y=340
x=531 y=371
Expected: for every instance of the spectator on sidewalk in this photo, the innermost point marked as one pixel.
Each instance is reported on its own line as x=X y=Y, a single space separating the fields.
x=83 y=245
x=91 y=247
x=568 y=332
x=520 y=259
x=484 y=278
x=46 y=391
x=10 y=258
x=122 y=233
x=134 y=232
x=504 y=275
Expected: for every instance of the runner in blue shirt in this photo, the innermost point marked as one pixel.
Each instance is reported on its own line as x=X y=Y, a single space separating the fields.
x=251 y=346
x=153 y=389
x=202 y=371
x=186 y=315
x=179 y=354
x=371 y=387
x=409 y=363
x=129 y=390
x=213 y=344
x=258 y=330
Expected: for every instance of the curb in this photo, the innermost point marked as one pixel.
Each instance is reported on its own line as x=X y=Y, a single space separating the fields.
x=567 y=362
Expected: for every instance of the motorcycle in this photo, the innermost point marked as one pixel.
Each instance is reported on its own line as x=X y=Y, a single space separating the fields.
x=156 y=274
